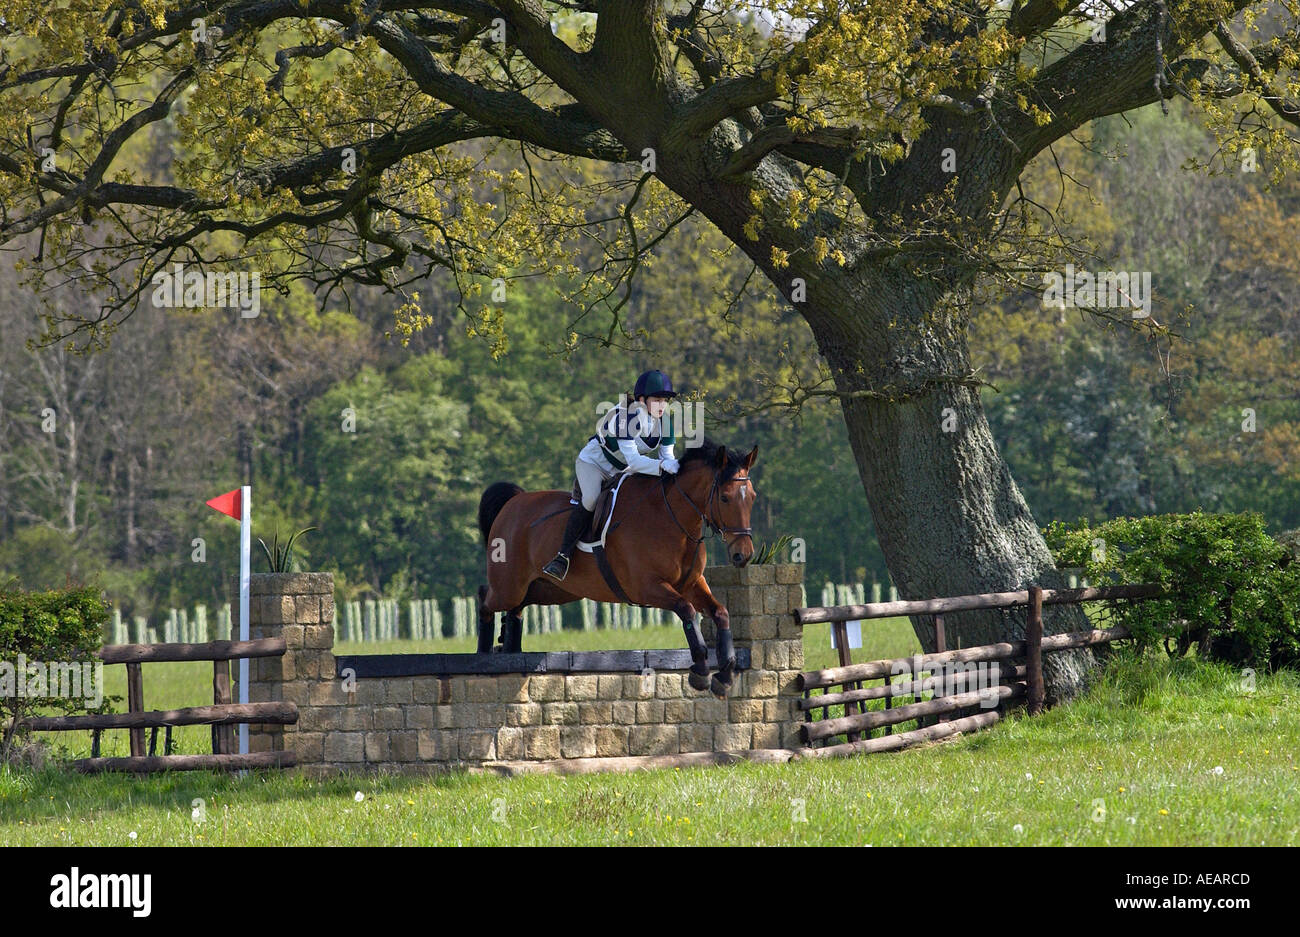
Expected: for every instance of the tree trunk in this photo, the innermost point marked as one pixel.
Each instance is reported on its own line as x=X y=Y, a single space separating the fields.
x=949 y=517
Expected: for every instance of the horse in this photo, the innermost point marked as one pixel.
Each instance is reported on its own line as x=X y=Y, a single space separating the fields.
x=656 y=551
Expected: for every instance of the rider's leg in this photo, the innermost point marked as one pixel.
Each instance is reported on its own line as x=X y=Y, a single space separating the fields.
x=589 y=479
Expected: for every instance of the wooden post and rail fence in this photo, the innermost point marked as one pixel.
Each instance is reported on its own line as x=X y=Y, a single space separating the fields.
x=843 y=685
x=221 y=715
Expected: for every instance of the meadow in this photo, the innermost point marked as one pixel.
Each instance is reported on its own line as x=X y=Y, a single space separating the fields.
x=1159 y=752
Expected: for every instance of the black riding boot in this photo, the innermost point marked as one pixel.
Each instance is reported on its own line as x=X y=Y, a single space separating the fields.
x=579 y=518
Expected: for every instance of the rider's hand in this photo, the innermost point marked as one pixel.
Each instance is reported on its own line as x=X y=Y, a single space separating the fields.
x=669 y=465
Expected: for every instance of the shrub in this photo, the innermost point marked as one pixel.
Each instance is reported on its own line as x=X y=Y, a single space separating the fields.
x=1236 y=587
x=47 y=635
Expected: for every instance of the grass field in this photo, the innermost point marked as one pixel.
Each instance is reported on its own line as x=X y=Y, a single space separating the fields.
x=1159 y=752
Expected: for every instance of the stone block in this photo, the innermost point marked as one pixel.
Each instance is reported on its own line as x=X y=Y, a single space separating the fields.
x=653 y=740
x=404 y=745
x=344 y=747
x=418 y=717
x=306 y=609
x=595 y=713
x=780 y=709
x=294 y=636
x=390 y=717
x=789 y=573
x=326 y=694
x=668 y=685
x=760 y=574
x=679 y=710
x=609 y=687
x=512 y=688
x=623 y=712
x=638 y=686
x=695 y=738
x=522 y=714
x=309 y=747
x=560 y=714
x=745 y=710
x=732 y=736
x=431 y=746
x=580 y=687
x=796 y=654
x=767 y=735
x=760 y=683
x=510 y=743
x=710 y=710
x=542 y=743
x=481 y=689
x=611 y=741
x=426 y=690
x=651 y=711
x=318 y=636
x=478 y=745
x=326 y=609
x=546 y=688
x=377 y=748
x=578 y=741
x=398 y=691
x=745 y=602
x=761 y=627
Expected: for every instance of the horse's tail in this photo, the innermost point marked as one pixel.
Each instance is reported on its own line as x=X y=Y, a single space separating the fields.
x=490 y=505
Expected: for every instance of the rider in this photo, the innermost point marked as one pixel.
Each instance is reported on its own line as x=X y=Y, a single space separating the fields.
x=629 y=438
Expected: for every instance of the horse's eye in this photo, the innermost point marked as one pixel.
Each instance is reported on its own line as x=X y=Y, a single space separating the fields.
x=724 y=499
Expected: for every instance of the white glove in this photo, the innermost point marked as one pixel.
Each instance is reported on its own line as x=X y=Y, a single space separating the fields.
x=669 y=465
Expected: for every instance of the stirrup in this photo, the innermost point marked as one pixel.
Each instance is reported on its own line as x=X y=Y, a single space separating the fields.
x=557 y=568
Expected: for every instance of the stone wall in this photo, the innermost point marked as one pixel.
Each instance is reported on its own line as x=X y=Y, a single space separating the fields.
x=508 y=721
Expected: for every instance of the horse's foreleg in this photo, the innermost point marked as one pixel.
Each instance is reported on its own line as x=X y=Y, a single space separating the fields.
x=512 y=631
x=699 y=594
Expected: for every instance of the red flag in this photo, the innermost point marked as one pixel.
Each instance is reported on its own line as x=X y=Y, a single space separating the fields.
x=229 y=503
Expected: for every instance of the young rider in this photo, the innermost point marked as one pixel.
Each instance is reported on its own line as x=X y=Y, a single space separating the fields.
x=627 y=439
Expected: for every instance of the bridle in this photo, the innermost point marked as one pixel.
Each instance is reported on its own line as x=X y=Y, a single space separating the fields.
x=704 y=516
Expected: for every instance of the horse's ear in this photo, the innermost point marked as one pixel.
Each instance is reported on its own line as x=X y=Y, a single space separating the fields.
x=721 y=459
x=749 y=459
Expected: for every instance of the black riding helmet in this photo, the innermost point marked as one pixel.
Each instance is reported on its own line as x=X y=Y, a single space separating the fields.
x=653 y=384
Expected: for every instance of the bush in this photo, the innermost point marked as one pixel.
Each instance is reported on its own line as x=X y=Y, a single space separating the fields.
x=1236 y=587
x=48 y=639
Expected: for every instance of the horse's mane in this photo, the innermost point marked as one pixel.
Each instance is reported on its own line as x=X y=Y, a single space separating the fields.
x=707 y=453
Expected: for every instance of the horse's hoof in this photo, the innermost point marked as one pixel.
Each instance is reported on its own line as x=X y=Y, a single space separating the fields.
x=718 y=687
x=698 y=681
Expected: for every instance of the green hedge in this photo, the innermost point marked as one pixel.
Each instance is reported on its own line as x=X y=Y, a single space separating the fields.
x=48 y=633
x=1237 y=587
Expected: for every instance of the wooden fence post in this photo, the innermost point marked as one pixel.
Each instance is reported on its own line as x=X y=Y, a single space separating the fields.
x=1034 y=651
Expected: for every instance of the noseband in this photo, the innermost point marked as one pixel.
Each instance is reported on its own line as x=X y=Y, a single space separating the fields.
x=704 y=515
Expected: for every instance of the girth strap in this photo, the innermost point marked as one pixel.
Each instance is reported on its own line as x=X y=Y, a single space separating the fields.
x=602 y=562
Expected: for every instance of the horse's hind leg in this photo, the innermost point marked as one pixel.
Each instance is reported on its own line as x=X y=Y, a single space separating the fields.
x=487 y=623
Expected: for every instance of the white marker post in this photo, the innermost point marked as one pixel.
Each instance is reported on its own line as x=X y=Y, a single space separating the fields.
x=245 y=582
x=239 y=504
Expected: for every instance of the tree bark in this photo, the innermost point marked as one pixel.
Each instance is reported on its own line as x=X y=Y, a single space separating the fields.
x=949 y=517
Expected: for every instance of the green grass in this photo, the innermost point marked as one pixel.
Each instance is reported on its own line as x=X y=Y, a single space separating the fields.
x=1133 y=762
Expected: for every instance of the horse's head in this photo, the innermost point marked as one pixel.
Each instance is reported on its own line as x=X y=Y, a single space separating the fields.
x=730 y=496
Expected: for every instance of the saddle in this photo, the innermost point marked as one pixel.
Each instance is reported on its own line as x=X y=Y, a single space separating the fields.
x=600 y=514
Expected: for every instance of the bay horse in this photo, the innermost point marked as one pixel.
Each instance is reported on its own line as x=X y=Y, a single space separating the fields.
x=656 y=551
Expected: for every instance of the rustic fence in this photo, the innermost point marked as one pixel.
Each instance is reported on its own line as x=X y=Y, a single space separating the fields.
x=221 y=716
x=958 y=679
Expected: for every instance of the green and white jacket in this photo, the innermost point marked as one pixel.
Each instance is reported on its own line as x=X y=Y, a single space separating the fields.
x=630 y=440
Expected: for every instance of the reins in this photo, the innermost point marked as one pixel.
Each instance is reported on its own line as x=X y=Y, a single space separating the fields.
x=703 y=515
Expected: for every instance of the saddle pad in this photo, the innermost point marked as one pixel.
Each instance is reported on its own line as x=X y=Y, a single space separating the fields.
x=604 y=513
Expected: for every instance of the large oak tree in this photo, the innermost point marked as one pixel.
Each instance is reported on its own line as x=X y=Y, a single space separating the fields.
x=864 y=154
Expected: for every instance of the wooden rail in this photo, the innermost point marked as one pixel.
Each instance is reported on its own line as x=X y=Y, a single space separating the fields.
x=966 y=603
x=1020 y=671
x=221 y=716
